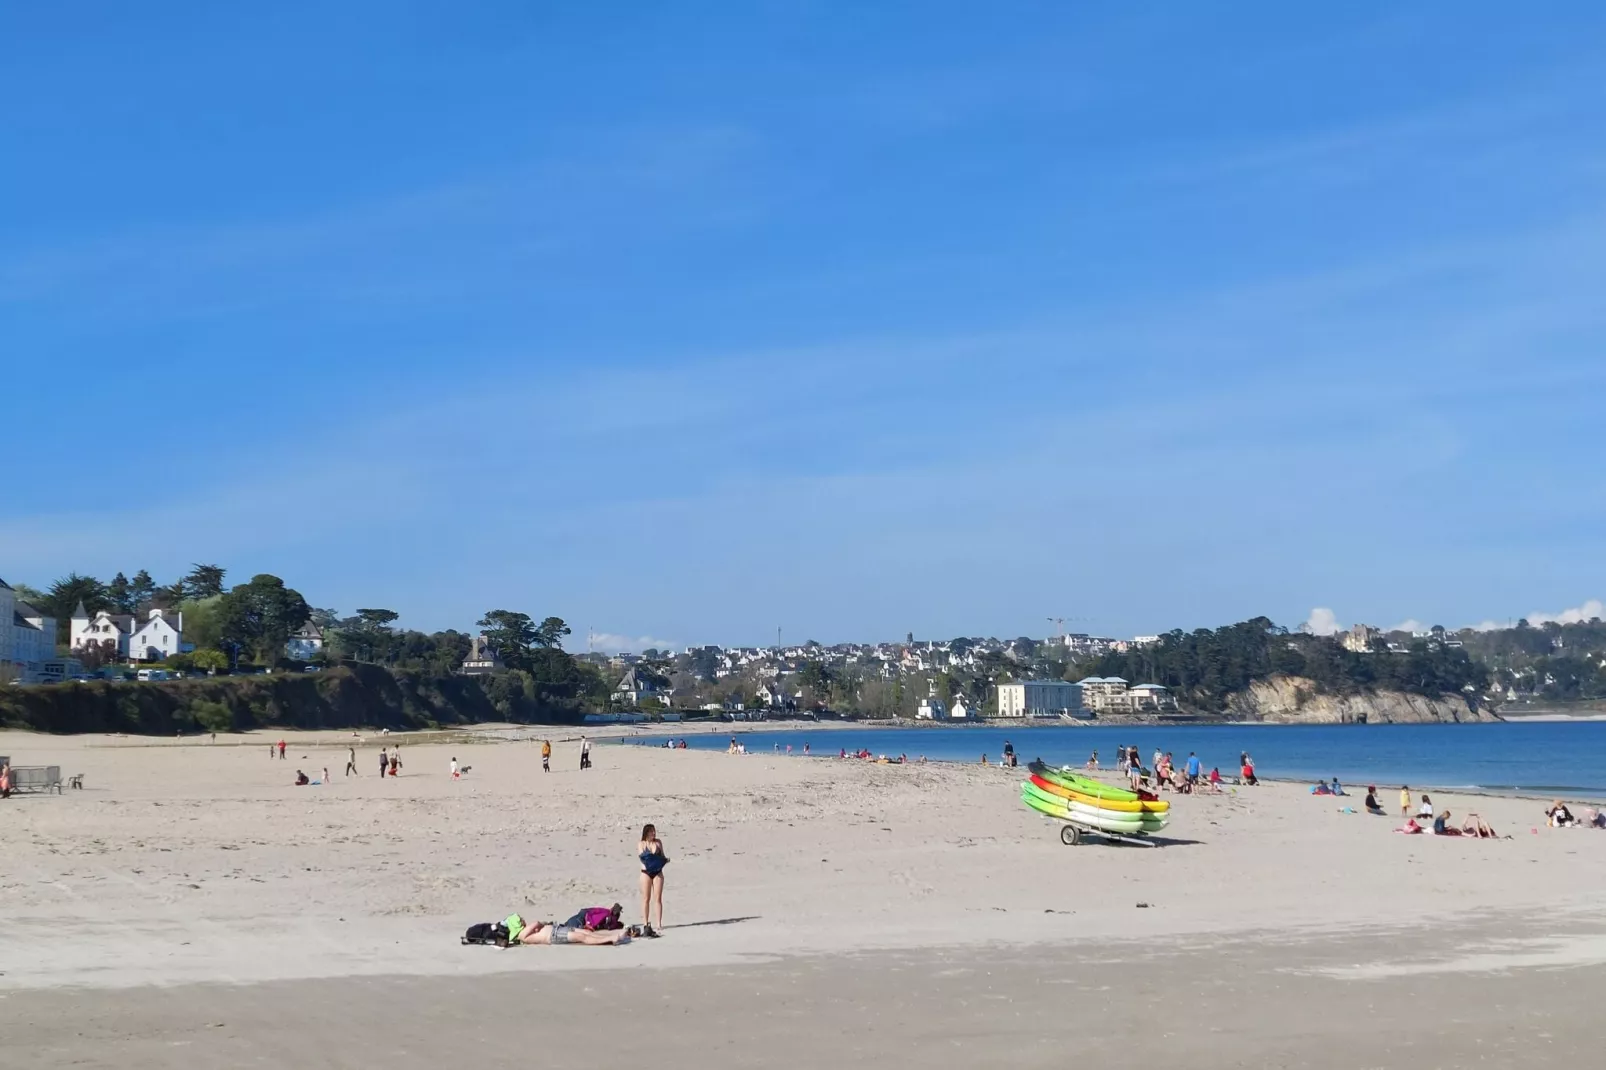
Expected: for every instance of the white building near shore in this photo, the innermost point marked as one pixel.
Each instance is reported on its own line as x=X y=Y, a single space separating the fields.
x=1039 y=698
x=27 y=636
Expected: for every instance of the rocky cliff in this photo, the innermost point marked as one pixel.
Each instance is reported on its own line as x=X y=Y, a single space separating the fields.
x=1294 y=700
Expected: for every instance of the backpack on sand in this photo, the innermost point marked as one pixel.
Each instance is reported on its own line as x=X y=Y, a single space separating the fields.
x=486 y=932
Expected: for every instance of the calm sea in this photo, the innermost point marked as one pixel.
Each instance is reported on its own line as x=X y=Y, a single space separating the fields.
x=1550 y=757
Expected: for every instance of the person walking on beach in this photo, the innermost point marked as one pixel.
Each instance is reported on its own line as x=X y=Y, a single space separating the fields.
x=281 y=750
x=585 y=753
x=455 y=774
x=384 y=762
x=351 y=761
x=546 y=756
x=650 y=851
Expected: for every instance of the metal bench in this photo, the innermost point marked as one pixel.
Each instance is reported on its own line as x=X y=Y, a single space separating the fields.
x=36 y=778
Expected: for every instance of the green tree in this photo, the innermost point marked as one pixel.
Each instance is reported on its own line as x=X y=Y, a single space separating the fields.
x=260 y=616
x=369 y=634
x=202 y=581
x=513 y=635
x=120 y=593
x=202 y=624
x=551 y=632
x=212 y=716
x=210 y=660
x=141 y=589
x=66 y=594
x=32 y=595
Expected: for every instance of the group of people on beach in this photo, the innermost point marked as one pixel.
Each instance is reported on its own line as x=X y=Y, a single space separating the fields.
x=591 y=926
x=1164 y=773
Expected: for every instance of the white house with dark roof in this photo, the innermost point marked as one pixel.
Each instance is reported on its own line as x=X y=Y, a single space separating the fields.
x=306 y=642
x=632 y=689
x=104 y=627
x=161 y=635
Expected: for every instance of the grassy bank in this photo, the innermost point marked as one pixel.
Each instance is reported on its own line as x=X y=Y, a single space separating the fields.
x=350 y=696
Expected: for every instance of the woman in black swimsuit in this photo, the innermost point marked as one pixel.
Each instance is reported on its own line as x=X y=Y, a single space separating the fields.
x=653 y=860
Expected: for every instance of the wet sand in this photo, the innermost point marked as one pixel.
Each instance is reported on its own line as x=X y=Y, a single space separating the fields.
x=1410 y=999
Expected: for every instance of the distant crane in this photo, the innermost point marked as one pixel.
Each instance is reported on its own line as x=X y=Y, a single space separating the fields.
x=1059 y=624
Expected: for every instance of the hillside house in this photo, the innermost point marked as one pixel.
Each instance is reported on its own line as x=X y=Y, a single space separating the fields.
x=161 y=635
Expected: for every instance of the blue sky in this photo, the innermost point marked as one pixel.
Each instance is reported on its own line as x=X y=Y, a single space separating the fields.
x=688 y=322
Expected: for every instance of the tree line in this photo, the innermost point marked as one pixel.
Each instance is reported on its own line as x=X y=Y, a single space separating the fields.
x=1203 y=668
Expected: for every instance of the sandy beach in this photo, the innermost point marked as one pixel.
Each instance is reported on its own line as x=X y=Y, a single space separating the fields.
x=193 y=907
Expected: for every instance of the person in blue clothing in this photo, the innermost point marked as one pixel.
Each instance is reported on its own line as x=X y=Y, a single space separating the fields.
x=1193 y=768
x=1337 y=788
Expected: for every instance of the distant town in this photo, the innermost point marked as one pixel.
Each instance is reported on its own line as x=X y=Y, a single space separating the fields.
x=83 y=630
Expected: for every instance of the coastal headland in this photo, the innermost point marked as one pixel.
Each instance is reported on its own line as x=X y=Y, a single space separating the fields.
x=216 y=914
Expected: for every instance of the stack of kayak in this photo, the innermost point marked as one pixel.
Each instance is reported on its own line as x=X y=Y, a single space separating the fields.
x=1092 y=803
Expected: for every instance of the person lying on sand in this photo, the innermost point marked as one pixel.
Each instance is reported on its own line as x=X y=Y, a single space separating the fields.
x=520 y=931
x=1475 y=825
x=597 y=919
x=1410 y=828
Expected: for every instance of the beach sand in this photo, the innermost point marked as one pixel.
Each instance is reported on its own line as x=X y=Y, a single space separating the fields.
x=192 y=907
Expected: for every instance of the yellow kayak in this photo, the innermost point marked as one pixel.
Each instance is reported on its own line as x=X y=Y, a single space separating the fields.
x=1133 y=806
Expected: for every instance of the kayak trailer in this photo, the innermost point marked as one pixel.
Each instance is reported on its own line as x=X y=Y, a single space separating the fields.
x=1074 y=832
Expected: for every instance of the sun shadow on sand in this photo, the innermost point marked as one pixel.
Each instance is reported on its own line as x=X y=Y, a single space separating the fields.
x=717 y=921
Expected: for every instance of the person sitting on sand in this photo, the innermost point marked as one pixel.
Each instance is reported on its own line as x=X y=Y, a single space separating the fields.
x=301 y=779
x=1426 y=809
x=1442 y=826
x=1215 y=777
x=1247 y=774
x=1372 y=805
x=1559 y=816
x=1337 y=788
x=1594 y=819
x=520 y=931
x=1093 y=760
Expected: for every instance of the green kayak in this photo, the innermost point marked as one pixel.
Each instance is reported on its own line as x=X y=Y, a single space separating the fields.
x=1085 y=785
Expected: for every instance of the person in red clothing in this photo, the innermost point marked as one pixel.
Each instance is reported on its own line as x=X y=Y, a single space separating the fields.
x=281 y=750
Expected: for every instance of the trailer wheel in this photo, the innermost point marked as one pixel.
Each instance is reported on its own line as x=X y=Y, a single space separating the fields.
x=1069 y=835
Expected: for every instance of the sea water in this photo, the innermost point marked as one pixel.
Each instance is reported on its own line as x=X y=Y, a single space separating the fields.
x=1545 y=758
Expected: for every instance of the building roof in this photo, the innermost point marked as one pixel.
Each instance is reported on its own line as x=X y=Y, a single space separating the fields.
x=4 y=584
x=630 y=683
x=1148 y=687
x=1102 y=680
x=24 y=622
